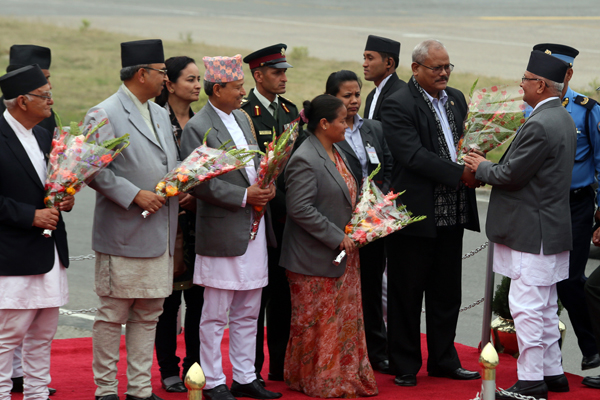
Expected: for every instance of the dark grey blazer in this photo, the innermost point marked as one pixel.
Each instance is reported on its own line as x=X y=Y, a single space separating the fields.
x=371 y=133
x=222 y=225
x=530 y=198
x=318 y=208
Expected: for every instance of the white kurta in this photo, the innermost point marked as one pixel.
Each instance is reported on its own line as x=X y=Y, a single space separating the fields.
x=245 y=272
x=534 y=269
x=33 y=291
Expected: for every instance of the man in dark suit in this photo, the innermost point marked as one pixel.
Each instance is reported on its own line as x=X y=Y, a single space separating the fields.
x=270 y=111
x=529 y=226
x=422 y=124
x=381 y=58
x=231 y=267
x=27 y=258
x=28 y=54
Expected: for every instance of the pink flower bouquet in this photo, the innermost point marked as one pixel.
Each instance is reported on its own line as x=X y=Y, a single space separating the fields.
x=495 y=114
x=375 y=216
x=203 y=164
x=75 y=160
x=272 y=164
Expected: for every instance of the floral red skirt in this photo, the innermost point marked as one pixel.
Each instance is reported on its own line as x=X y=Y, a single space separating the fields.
x=327 y=353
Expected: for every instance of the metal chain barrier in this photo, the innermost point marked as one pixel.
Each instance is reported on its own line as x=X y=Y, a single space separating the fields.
x=511 y=395
x=468 y=255
x=93 y=310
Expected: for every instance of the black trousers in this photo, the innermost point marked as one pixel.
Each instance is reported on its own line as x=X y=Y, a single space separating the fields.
x=276 y=305
x=166 y=331
x=571 y=291
x=592 y=294
x=372 y=266
x=432 y=267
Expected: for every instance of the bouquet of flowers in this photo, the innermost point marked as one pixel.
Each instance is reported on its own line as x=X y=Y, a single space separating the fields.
x=495 y=114
x=272 y=164
x=203 y=164
x=375 y=216
x=75 y=160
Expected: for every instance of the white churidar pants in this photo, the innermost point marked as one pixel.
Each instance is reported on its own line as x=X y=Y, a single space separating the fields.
x=243 y=307
x=35 y=329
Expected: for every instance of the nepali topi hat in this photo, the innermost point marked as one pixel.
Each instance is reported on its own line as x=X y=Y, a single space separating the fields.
x=383 y=45
x=28 y=54
x=223 y=69
x=272 y=56
x=22 y=81
x=546 y=66
x=560 y=51
x=140 y=52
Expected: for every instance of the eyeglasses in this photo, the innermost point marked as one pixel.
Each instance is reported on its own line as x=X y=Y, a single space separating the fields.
x=438 y=69
x=162 y=71
x=46 y=95
x=523 y=79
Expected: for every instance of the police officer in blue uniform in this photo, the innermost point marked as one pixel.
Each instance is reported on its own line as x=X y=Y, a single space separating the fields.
x=586 y=114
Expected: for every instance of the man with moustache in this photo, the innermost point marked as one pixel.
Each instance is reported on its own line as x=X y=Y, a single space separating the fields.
x=134 y=256
x=231 y=267
x=528 y=225
x=381 y=58
x=270 y=111
x=33 y=277
x=422 y=124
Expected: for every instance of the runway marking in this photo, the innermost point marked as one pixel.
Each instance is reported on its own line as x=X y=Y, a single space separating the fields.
x=521 y=18
x=82 y=316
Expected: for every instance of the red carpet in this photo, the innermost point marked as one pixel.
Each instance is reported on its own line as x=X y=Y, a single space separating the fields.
x=72 y=376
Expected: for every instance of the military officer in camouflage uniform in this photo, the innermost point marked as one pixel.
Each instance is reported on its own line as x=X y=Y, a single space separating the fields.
x=269 y=110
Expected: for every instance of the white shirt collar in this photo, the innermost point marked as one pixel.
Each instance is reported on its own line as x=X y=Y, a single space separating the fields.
x=443 y=97
x=544 y=101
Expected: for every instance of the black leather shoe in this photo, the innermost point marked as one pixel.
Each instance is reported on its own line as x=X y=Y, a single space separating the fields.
x=152 y=397
x=557 y=383
x=535 y=389
x=218 y=393
x=592 y=381
x=590 y=362
x=253 y=390
x=51 y=391
x=173 y=385
x=17 y=384
x=275 y=377
x=406 y=380
x=260 y=380
x=108 y=397
x=382 y=366
x=459 y=374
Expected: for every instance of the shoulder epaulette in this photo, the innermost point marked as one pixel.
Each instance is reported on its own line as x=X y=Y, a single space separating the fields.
x=244 y=100
x=585 y=102
x=286 y=100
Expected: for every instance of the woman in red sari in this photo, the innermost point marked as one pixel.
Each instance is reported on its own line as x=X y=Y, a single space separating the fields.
x=326 y=354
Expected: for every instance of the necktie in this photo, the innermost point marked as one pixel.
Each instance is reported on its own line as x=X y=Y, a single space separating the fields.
x=274 y=107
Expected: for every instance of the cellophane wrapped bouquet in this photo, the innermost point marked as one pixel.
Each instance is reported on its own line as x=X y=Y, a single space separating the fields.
x=272 y=164
x=203 y=164
x=75 y=160
x=376 y=215
x=495 y=114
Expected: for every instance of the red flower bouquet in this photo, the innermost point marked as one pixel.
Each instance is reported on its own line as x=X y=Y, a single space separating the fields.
x=75 y=160
x=272 y=164
x=203 y=164
x=495 y=114
x=375 y=216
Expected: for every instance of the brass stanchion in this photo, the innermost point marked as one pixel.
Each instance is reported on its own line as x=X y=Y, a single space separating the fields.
x=194 y=382
x=488 y=361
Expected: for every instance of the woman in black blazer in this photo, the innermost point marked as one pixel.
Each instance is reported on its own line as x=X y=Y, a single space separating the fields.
x=365 y=148
x=326 y=354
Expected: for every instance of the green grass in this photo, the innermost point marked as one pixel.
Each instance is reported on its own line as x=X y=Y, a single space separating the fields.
x=86 y=63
